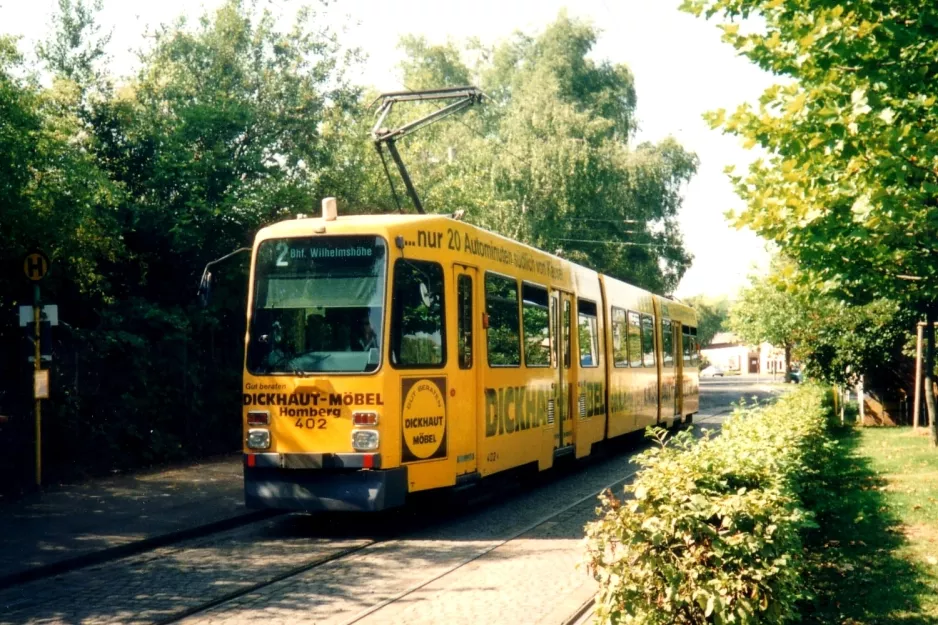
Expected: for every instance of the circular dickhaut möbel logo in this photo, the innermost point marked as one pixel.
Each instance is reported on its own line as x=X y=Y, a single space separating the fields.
x=423 y=416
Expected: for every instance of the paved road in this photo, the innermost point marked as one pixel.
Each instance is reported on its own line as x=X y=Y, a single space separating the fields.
x=719 y=395
x=509 y=558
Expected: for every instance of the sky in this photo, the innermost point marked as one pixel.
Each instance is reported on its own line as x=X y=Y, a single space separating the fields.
x=681 y=70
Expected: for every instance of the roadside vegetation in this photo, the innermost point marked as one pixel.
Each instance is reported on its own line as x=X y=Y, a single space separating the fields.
x=713 y=530
x=787 y=516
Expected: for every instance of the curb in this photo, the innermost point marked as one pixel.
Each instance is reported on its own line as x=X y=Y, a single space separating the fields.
x=132 y=548
x=583 y=613
x=574 y=608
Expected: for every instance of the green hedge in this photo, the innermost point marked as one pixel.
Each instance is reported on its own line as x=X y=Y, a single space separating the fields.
x=710 y=530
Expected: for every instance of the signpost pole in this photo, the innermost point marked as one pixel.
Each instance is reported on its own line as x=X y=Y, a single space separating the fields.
x=35 y=266
x=36 y=311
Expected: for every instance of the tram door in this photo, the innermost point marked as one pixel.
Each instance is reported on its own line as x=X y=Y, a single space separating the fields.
x=465 y=385
x=561 y=318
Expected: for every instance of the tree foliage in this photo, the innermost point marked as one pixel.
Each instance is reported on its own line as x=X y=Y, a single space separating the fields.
x=130 y=190
x=712 y=315
x=849 y=188
x=767 y=311
x=835 y=340
x=547 y=157
x=230 y=123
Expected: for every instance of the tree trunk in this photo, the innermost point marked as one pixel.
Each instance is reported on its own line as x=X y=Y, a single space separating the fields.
x=928 y=367
x=917 y=407
x=861 y=415
x=843 y=403
x=787 y=361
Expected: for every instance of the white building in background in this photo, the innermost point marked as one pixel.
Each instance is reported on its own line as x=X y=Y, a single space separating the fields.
x=731 y=355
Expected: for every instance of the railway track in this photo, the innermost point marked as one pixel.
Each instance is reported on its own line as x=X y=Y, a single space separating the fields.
x=295 y=554
x=580 y=616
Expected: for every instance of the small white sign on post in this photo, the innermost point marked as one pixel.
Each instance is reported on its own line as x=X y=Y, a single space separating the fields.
x=41 y=384
x=51 y=313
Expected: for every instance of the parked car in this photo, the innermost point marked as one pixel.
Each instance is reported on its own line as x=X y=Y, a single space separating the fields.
x=795 y=376
x=712 y=371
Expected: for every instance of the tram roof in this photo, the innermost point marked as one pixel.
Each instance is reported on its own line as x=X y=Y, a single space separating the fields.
x=293 y=227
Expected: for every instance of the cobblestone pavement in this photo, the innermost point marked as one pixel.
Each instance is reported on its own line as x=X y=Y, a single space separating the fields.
x=158 y=584
x=473 y=567
x=79 y=519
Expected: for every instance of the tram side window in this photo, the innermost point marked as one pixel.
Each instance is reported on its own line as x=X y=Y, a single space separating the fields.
x=464 y=320
x=587 y=334
x=667 y=335
x=648 y=341
x=418 y=334
x=694 y=348
x=566 y=334
x=635 y=340
x=686 y=339
x=536 y=325
x=501 y=304
x=620 y=352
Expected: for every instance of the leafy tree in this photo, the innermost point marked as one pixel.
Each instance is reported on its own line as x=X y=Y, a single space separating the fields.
x=837 y=341
x=849 y=340
x=712 y=316
x=75 y=51
x=546 y=159
x=850 y=183
x=131 y=189
x=768 y=312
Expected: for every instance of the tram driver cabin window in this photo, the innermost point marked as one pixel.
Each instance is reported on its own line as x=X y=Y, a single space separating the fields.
x=418 y=332
x=503 y=336
x=588 y=334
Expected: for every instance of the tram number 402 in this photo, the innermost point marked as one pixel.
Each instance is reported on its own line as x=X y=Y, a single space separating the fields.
x=311 y=424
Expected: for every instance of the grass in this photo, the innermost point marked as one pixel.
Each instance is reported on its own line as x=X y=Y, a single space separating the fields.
x=874 y=557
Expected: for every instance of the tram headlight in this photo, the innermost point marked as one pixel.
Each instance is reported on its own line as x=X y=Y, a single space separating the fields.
x=258 y=439
x=365 y=440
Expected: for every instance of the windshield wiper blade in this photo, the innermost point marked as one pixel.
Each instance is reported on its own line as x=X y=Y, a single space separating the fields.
x=292 y=369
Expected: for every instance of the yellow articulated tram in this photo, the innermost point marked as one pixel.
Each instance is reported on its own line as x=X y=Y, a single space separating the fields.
x=389 y=354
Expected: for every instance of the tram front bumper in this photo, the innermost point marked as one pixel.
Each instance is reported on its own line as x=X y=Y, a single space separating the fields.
x=326 y=489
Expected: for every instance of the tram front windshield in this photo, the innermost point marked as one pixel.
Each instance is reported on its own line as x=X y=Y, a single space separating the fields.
x=318 y=305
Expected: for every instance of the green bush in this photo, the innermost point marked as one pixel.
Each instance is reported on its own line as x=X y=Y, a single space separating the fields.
x=710 y=530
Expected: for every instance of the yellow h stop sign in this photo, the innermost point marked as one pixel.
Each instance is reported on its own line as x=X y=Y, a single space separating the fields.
x=35 y=266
